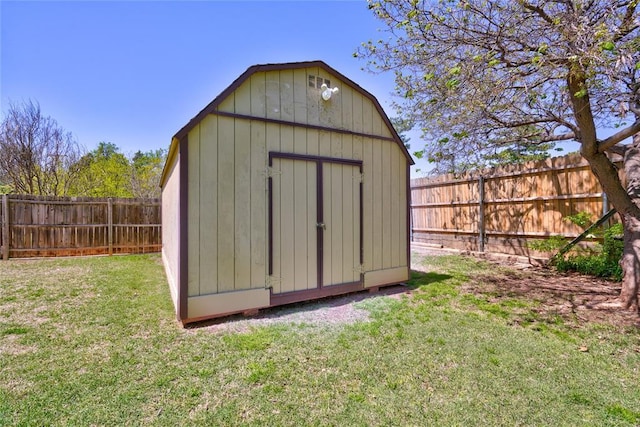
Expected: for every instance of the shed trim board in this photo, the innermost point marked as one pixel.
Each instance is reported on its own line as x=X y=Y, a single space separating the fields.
x=253 y=178
x=302 y=125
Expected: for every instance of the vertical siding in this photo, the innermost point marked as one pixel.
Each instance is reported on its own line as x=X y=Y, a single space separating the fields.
x=242 y=203
x=384 y=206
x=258 y=207
x=272 y=92
x=342 y=258
x=226 y=204
x=194 y=212
x=208 y=253
x=171 y=227
x=273 y=144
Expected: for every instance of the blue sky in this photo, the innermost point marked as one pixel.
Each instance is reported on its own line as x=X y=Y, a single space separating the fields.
x=134 y=72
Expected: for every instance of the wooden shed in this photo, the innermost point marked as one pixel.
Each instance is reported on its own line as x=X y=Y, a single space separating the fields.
x=290 y=185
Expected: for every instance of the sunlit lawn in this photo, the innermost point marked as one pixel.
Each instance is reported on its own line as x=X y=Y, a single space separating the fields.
x=94 y=341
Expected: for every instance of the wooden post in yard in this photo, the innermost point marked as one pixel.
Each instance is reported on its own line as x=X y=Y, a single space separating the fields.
x=110 y=224
x=605 y=208
x=481 y=226
x=5 y=227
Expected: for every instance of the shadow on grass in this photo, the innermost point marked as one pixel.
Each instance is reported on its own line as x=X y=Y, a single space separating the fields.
x=419 y=279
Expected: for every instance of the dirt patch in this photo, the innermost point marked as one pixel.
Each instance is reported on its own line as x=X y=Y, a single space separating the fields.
x=576 y=298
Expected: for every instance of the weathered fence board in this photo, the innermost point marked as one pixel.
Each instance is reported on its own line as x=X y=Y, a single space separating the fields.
x=63 y=226
x=502 y=209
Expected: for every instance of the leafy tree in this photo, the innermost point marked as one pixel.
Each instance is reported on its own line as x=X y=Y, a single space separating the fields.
x=37 y=156
x=104 y=172
x=146 y=170
x=482 y=76
x=403 y=125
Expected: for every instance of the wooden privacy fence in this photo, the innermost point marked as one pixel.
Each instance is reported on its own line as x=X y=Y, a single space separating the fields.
x=501 y=209
x=62 y=226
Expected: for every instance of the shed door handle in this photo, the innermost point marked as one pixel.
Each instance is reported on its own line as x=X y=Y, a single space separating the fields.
x=321 y=225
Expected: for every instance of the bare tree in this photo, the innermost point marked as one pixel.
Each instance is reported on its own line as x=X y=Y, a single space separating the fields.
x=37 y=156
x=481 y=76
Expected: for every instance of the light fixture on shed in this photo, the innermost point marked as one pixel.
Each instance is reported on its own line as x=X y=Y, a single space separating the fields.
x=327 y=91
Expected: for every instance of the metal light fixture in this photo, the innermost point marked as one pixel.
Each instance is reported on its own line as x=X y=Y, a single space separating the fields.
x=327 y=91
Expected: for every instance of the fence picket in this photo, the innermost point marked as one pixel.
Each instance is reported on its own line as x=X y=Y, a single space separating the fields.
x=64 y=226
x=502 y=209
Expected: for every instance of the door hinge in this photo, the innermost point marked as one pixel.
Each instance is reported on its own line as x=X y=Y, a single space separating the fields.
x=273 y=281
x=359 y=269
x=270 y=171
x=358 y=177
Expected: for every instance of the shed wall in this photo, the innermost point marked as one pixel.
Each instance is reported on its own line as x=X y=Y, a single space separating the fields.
x=171 y=226
x=227 y=209
x=228 y=173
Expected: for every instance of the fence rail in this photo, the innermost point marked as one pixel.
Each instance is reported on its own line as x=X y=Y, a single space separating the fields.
x=502 y=209
x=63 y=226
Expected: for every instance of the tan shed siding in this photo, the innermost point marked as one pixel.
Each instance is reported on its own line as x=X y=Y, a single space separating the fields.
x=346 y=98
x=208 y=160
x=384 y=277
x=242 y=204
x=227 y=303
x=300 y=84
x=384 y=206
x=272 y=82
x=242 y=99
x=357 y=111
x=194 y=212
x=286 y=95
x=369 y=118
x=258 y=95
x=226 y=204
x=228 y=104
x=312 y=100
x=377 y=208
x=258 y=218
x=171 y=227
x=287 y=106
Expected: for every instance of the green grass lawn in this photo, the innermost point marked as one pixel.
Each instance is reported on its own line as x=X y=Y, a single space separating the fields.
x=94 y=341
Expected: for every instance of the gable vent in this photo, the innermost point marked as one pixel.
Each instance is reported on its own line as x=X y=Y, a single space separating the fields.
x=317 y=81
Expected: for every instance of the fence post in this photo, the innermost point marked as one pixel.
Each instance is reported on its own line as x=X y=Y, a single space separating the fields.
x=5 y=227
x=605 y=208
x=481 y=226
x=110 y=224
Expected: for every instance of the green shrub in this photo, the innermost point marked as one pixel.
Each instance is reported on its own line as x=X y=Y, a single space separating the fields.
x=551 y=244
x=582 y=219
x=613 y=245
x=606 y=263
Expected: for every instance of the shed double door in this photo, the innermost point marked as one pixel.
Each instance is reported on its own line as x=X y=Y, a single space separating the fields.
x=315 y=210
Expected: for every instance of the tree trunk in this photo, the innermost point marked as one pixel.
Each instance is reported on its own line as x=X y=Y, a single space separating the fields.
x=630 y=262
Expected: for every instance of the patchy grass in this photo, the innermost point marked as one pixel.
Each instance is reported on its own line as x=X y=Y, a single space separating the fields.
x=93 y=341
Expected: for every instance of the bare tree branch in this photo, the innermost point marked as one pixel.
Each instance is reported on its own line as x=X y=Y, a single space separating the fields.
x=618 y=137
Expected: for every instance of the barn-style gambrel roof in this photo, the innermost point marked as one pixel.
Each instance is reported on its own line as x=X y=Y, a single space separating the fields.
x=212 y=107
